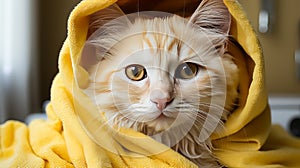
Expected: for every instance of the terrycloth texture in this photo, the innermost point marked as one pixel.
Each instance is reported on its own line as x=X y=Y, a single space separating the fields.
x=248 y=140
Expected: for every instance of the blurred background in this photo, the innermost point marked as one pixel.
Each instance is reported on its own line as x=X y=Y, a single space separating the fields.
x=32 y=33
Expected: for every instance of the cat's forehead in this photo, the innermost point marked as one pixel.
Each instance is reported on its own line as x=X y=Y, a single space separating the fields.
x=148 y=41
x=150 y=46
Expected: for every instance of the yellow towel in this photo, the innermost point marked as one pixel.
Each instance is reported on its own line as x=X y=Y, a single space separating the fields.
x=249 y=140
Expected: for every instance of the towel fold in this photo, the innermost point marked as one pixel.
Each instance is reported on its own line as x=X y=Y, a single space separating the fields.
x=248 y=139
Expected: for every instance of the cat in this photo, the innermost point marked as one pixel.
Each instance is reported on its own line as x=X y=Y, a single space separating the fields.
x=166 y=76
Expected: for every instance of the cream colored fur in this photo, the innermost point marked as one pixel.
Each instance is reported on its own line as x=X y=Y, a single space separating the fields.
x=160 y=45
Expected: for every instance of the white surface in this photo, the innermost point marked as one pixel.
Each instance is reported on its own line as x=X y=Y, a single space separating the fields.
x=31 y=117
x=284 y=109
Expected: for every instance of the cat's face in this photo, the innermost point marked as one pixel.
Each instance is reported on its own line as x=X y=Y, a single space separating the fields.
x=151 y=84
x=162 y=73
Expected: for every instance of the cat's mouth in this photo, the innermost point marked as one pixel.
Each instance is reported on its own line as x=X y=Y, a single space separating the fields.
x=165 y=121
x=162 y=116
x=162 y=122
x=158 y=125
x=167 y=114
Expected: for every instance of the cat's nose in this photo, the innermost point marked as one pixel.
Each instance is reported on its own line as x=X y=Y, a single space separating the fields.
x=161 y=104
x=161 y=99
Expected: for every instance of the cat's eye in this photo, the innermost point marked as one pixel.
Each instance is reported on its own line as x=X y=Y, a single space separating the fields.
x=136 y=72
x=186 y=70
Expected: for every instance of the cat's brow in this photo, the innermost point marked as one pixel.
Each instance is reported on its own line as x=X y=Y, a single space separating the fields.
x=194 y=58
x=189 y=58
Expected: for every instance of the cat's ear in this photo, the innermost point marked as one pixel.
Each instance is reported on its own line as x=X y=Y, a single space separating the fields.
x=213 y=15
x=100 y=18
x=102 y=24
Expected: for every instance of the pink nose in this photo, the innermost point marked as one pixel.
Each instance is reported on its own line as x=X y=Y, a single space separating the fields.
x=161 y=99
x=161 y=104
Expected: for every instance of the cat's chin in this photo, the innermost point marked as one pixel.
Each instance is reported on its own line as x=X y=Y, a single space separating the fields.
x=158 y=125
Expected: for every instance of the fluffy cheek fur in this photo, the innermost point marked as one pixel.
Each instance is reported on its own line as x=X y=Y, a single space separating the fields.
x=211 y=114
